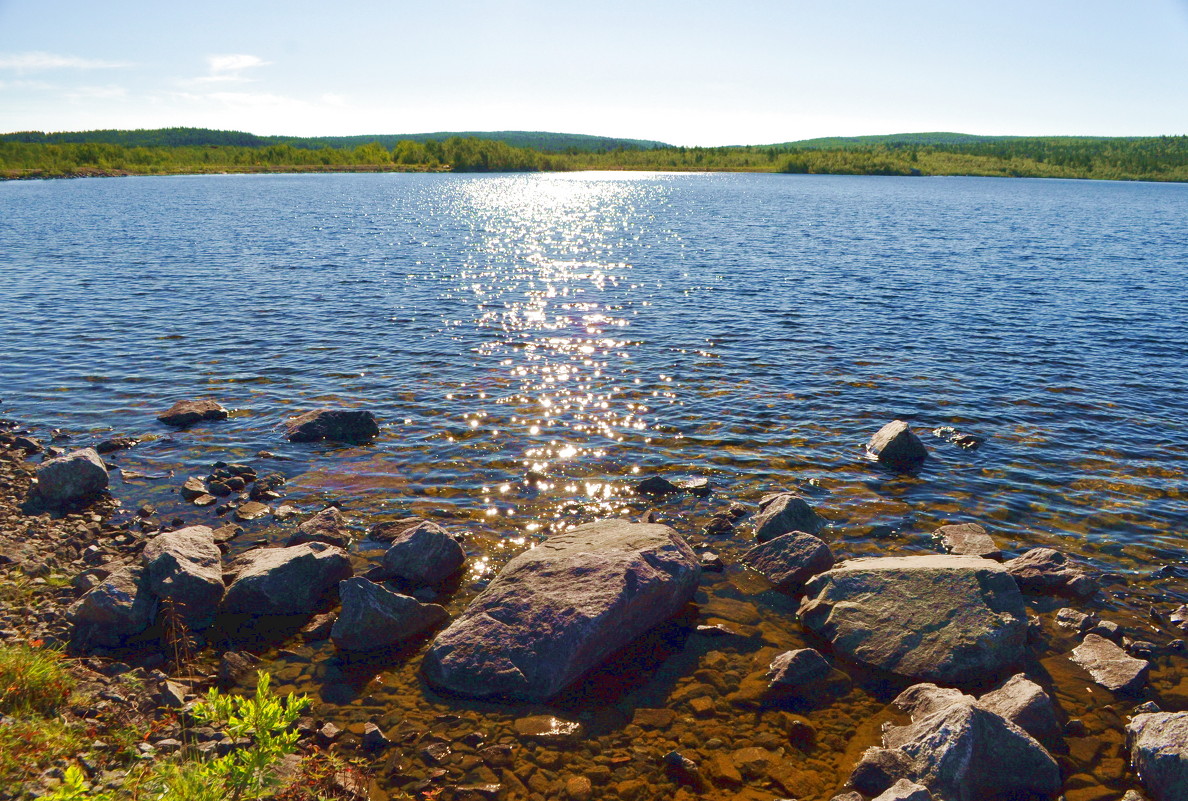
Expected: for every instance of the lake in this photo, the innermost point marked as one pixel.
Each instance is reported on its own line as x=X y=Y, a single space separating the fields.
x=534 y=345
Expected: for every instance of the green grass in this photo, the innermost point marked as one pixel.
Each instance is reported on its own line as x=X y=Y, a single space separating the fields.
x=32 y=680
x=30 y=746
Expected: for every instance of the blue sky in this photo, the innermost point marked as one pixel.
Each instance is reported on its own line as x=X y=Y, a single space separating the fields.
x=688 y=72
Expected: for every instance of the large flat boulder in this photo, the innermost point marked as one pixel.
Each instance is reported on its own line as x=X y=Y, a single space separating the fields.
x=949 y=619
x=185 y=568
x=74 y=479
x=353 y=426
x=374 y=617
x=559 y=610
x=285 y=581
x=1159 y=753
x=119 y=607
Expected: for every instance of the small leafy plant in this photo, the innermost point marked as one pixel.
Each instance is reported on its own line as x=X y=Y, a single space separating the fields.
x=267 y=720
x=245 y=773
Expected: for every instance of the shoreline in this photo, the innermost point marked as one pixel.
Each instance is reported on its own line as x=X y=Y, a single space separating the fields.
x=136 y=680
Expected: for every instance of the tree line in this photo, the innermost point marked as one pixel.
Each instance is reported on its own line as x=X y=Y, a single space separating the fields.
x=1149 y=158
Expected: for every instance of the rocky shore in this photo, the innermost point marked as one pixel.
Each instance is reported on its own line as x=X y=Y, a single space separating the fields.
x=612 y=660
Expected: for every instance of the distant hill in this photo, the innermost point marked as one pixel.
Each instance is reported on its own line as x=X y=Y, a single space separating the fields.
x=935 y=139
x=202 y=137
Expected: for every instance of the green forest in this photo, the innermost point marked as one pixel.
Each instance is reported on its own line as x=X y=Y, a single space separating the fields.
x=195 y=151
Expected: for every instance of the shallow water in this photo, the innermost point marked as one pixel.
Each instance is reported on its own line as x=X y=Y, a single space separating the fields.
x=533 y=345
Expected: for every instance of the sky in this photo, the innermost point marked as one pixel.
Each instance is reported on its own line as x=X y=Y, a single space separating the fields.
x=684 y=72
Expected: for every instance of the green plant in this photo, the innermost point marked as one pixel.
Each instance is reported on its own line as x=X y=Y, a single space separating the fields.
x=245 y=773
x=32 y=680
x=74 y=788
x=267 y=720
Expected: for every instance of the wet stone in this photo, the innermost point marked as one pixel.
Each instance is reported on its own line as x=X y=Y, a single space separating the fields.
x=186 y=413
x=967 y=539
x=1110 y=666
x=653 y=718
x=548 y=729
x=896 y=447
x=251 y=510
x=656 y=486
x=784 y=513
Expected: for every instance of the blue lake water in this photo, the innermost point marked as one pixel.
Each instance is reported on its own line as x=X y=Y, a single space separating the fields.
x=534 y=345
x=588 y=328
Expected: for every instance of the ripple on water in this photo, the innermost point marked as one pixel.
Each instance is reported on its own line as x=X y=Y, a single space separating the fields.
x=536 y=344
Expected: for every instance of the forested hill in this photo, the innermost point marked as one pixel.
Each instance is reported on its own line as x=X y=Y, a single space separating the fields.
x=188 y=150
x=205 y=137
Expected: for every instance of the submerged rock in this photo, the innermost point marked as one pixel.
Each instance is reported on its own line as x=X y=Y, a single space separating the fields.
x=784 y=513
x=72 y=479
x=285 y=581
x=656 y=485
x=184 y=568
x=328 y=526
x=1044 y=570
x=374 y=617
x=1159 y=753
x=351 y=426
x=1110 y=666
x=788 y=561
x=951 y=619
x=119 y=607
x=896 y=447
x=559 y=610
x=187 y=412
x=967 y=539
x=423 y=556
x=794 y=670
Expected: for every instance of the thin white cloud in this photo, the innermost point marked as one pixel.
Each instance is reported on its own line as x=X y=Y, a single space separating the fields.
x=230 y=68
x=38 y=60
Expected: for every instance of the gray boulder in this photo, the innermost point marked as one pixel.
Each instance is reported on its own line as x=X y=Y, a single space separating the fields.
x=187 y=412
x=285 y=581
x=784 y=513
x=328 y=526
x=374 y=617
x=559 y=610
x=119 y=607
x=967 y=539
x=904 y=790
x=185 y=568
x=1159 y=753
x=75 y=478
x=950 y=619
x=337 y=425
x=1047 y=571
x=788 y=561
x=1024 y=703
x=1110 y=666
x=896 y=447
x=423 y=556
x=965 y=753
x=921 y=700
